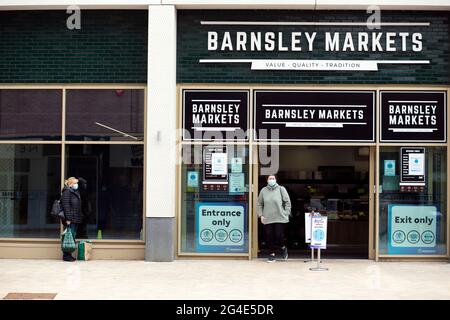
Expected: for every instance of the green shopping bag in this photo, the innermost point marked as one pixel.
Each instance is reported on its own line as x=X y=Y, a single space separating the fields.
x=84 y=250
x=67 y=241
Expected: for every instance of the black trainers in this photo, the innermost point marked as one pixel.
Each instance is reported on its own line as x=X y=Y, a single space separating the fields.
x=271 y=258
x=68 y=258
x=285 y=253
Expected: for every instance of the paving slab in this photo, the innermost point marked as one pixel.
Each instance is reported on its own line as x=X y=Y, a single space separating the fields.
x=226 y=280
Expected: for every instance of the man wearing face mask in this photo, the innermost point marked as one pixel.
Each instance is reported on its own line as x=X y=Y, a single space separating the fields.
x=274 y=208
x=71 y=204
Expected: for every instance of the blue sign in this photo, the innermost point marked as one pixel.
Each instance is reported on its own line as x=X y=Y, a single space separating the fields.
x=414 y=229
x=318 y=235
x=221 y=227
x=192 y=179
x=237 y=183
x=389 y=168
x=319 y=232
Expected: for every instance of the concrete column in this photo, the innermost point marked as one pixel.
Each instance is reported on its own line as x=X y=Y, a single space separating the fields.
x=161 y=134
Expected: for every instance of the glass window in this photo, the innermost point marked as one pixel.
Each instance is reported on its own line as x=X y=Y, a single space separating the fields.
x=30 y=180
x=413 y=217
x=215 y=195
x=30 y=114
x=105 y=115
x=112 y=199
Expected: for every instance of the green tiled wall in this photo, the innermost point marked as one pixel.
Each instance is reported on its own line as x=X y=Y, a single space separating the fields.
x=37 y=47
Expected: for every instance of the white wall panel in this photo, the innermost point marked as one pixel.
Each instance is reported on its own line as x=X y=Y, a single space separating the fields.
x=161 y=112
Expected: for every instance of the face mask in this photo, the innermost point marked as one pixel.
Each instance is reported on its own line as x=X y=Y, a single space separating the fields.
x=75 y=186
x=272 y=182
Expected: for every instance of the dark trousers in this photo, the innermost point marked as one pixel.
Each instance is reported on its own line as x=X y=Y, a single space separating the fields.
x=73 y=227
x=274 y=234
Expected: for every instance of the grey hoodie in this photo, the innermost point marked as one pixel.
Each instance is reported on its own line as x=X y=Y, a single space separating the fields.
x=270 y=204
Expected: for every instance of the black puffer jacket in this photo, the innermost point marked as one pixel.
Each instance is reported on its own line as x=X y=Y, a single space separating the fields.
x=71 y=203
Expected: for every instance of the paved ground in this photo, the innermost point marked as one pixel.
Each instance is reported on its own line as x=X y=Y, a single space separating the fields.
x=226 y=279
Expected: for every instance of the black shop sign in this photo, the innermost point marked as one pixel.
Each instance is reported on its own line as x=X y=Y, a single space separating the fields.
x=316 y=115
x=411 y=116
x=215 y=115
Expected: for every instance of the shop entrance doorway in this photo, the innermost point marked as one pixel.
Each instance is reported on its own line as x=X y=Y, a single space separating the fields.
x=335 y=181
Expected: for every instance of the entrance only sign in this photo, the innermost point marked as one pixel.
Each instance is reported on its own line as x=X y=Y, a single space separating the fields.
x=221 y=227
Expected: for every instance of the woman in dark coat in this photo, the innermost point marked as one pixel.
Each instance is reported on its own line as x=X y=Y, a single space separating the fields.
x=71 y=204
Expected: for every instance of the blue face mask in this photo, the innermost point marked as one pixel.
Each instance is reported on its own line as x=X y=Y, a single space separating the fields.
x=272 y=182
x=75 y=186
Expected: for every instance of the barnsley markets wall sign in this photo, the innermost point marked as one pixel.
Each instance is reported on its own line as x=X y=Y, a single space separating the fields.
x=263 y=41
x=304 y=46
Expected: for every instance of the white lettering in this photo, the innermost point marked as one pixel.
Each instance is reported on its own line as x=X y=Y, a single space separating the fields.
x=390 y=42
x=226 y=43
x=212 y=40
x=255 y=41
x=295 y=41
x=270 y=42
x=280 y=42
x=302 y=41
x=403 y=35
x=241 y=41
x=310 y=39
x=376 y=45
x=417 y=42
x=332 y=44
x=363 y=41
x=348 y=42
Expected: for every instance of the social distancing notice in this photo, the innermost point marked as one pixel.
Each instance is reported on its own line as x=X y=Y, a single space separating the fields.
x=319 y=232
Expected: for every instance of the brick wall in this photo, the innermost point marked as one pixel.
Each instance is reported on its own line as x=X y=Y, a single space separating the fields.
x=37 y=47
x=192 y=46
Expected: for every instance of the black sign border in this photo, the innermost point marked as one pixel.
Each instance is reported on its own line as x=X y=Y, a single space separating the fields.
x=247 y=91
x=412 y=183
x=374 y=95
x=412 y=91
x=203 y=163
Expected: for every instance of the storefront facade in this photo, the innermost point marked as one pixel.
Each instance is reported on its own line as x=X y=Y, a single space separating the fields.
x=174 y=115
x=337 y=110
